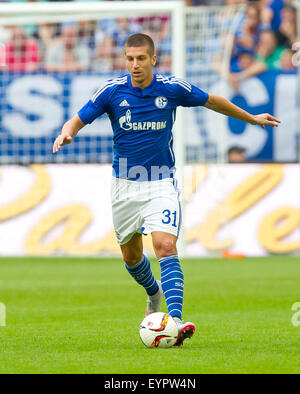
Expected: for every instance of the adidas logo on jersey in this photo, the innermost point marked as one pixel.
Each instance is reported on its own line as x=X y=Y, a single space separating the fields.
x=124 y=103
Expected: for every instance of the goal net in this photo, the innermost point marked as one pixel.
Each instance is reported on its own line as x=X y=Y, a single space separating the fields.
x=53 y=57
x=210 y=33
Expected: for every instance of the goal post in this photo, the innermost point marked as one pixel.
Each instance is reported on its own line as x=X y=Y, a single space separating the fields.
x=197 y=38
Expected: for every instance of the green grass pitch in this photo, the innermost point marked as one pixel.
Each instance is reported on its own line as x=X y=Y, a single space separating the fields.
x=82 y=315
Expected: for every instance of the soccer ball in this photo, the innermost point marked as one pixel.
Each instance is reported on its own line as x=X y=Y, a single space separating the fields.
x=158 y=330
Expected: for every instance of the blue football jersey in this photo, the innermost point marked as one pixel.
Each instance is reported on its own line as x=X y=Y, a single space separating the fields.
x=142 y=121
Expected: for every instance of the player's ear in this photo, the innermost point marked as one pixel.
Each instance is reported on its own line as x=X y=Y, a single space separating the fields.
x=153 y=60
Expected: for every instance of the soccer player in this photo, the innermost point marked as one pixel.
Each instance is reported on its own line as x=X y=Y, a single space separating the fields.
x=145 y=200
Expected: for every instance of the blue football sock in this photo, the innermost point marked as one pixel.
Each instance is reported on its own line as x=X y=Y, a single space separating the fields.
x=142 y=273
x=172 y=284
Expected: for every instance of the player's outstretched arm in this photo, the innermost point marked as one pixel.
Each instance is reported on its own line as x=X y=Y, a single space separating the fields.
x=225 y=107
x=69 y=131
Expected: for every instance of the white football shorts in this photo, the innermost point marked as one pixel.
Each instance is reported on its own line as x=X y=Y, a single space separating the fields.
x=144 y=207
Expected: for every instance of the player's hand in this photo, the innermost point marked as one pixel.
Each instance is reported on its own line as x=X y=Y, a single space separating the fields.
x=60 y=141
x=266 y=120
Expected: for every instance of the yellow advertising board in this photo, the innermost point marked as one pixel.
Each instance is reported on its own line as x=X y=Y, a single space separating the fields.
x=240 y=209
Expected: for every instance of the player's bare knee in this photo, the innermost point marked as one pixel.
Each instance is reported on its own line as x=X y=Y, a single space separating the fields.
x=165 y=247
x=132 y=251
x=132 y=258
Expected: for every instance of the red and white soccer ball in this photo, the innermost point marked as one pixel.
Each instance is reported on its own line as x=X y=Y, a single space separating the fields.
x=158 y=330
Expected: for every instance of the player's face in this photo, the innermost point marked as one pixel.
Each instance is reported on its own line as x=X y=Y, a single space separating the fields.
x=139 y=64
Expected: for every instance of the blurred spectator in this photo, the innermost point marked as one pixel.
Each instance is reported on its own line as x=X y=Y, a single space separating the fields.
x=165 y=63
x=271 y=14
x=122 y=30
x=247 y=35
x=287 y=32
x=245 y=59
x=268 y=51
x=287 y=60
x=22 y=53
x=87 y=33
x=157 y=26
x=46 y=36
x=104 y=56
x=2 y=58
x=268 y=57
x=67 y=54
x=236 y=154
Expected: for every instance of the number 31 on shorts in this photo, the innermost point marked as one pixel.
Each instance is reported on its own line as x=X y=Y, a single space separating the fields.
x=169 y=217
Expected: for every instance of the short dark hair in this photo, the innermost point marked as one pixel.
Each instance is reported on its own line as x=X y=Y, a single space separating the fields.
x=236 y=149
x=140 y=40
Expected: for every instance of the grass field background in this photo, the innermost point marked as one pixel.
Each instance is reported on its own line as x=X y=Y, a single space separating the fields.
x=68 y=315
